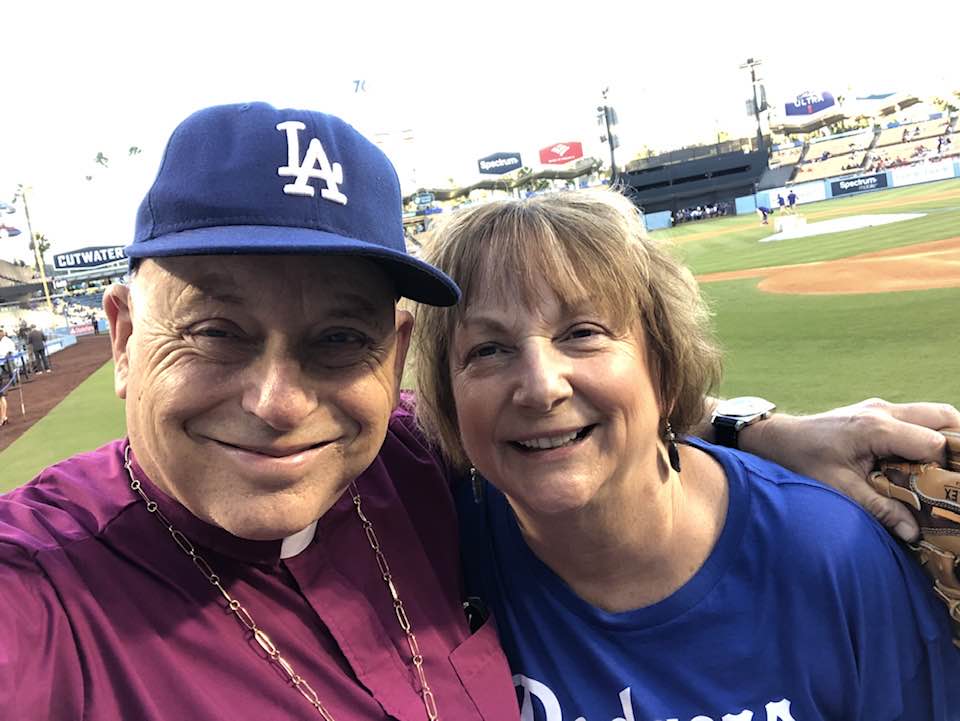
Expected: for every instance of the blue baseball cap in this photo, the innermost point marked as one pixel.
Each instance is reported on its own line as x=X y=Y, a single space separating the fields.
x=253 y=179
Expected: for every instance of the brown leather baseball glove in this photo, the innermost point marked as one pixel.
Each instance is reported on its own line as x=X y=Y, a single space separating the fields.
x=932 y=493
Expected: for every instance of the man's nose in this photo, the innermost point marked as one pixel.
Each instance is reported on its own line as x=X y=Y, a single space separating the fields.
x=278 y=391
x=543 y=381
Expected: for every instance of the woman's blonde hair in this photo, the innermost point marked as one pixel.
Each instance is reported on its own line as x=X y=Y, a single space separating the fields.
x=585 y=246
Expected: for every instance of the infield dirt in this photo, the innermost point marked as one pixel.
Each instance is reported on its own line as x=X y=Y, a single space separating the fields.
x=914 y=267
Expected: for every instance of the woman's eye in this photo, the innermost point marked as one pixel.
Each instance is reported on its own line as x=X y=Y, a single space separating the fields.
x=483 y=351
x=584 y=331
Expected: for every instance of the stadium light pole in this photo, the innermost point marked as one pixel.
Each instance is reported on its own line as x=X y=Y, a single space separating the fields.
x=753 y=63
x=608 y=117
x=22 y=195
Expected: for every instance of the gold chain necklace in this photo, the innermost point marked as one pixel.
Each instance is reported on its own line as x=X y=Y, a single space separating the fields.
x=259 y=635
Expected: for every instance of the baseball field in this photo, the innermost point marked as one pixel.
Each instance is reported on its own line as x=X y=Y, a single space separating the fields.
x=812 y=322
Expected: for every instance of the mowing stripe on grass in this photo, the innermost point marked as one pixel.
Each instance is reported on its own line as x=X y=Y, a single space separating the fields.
x=89 y=417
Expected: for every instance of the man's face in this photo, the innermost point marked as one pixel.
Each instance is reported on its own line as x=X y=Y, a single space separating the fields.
x=257 y=387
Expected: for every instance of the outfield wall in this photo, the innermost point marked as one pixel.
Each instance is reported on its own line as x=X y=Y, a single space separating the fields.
x=843 y=186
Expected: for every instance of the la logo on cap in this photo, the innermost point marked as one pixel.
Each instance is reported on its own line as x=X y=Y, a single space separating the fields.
x=315 y=165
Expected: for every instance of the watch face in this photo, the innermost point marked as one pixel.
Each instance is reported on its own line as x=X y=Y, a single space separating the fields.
x=744 y=406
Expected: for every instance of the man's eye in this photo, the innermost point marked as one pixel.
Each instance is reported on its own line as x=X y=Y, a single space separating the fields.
x=343 y=337
x=213 y=333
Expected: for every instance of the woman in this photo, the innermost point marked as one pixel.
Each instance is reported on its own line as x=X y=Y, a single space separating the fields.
x=632 y=578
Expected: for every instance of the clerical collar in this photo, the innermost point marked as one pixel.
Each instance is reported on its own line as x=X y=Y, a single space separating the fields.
x=294 y=545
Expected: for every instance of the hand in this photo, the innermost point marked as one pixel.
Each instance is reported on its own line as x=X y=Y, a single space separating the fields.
x=841 y=447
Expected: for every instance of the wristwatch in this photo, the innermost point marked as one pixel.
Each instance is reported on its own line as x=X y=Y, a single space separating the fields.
x=734 y=414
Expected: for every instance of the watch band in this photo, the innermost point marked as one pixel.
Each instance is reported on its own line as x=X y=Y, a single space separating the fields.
x=726 y=432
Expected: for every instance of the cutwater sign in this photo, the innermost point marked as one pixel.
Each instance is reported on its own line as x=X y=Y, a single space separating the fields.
x=858 y=185
x=499 y=163
x=88 y=257
x=809 y=103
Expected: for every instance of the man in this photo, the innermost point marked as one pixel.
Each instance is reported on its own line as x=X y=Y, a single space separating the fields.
x=259 y=350
x=792 y=201
x=271 y=541
x=38 y=344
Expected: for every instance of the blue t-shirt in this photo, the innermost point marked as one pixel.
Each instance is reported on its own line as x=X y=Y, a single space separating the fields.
x=805 y=610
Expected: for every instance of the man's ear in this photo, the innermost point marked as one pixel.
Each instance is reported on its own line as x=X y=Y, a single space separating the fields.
x=117 y=305
x=404 y=331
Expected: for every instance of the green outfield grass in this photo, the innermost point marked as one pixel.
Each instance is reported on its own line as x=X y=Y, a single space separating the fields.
x=87 y=418
x=813 y=352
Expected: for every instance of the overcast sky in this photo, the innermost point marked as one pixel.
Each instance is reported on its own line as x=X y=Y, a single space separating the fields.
x=86 y=77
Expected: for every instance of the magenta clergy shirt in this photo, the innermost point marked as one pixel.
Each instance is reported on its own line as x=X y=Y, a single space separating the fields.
x=103 y=617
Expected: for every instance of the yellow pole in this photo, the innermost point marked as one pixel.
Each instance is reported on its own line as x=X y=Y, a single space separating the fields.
x=36 y=249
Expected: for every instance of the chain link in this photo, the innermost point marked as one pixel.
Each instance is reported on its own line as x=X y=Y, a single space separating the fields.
x=259 y=635
x=415 y=656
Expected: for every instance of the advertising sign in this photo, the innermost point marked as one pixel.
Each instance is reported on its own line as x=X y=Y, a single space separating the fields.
x=88 y=257
x=81 y=329
x=808 y=103
x=921 y=173
x=499 y=163
x=561 y=153
x=858 y=185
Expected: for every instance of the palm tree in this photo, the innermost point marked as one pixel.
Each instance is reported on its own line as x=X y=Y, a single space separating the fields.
x=39 y=245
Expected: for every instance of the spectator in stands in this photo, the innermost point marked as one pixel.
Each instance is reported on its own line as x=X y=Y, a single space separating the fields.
x=7 y=352
x=38 y=342
x=906 y=135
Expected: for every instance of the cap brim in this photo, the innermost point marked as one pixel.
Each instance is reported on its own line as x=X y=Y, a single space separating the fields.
x=414 y=278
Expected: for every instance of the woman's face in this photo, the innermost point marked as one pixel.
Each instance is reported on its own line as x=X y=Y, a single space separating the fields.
x=555 y=408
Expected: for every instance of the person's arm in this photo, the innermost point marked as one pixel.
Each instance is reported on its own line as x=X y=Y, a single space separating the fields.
x=840 y=447
x=40 y=669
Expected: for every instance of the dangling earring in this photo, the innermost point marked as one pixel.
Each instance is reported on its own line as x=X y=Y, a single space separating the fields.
x=477 y=483
x=672 y=451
